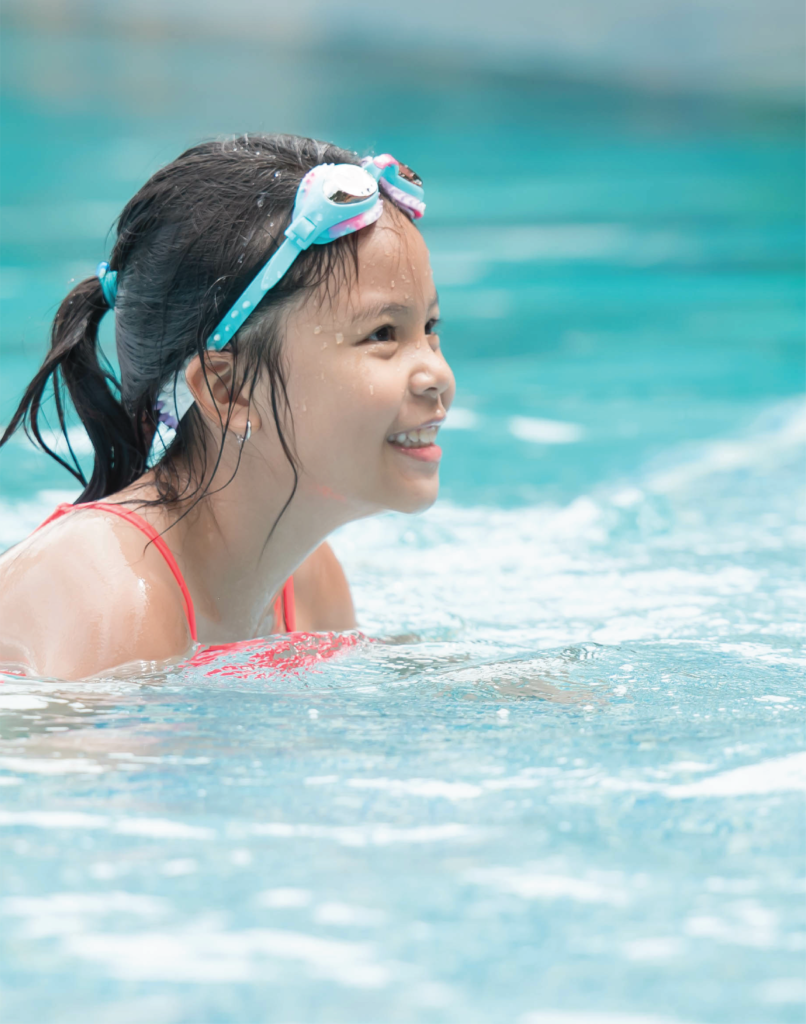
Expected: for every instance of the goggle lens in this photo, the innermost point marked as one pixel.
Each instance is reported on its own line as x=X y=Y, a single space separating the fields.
x=349 y=184
x=409 y=175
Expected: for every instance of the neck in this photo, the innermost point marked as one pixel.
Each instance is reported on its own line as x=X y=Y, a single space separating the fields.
x=238 y=546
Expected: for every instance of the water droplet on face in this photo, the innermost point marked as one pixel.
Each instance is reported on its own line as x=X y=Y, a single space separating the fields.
x=317 y=329
x=393 y=284
x=339 y=339
x=304 y=407
x=324 y=345
x=371 y=390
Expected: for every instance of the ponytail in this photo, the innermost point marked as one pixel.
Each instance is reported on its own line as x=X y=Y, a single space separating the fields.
x=73 y=362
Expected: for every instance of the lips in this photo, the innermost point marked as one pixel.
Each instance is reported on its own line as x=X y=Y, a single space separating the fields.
x=418 y=443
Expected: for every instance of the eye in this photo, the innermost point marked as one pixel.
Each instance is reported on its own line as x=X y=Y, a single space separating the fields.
x=431 y=326
x=385 y=333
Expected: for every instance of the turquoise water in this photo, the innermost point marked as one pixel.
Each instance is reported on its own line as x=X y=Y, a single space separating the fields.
x=568 y=782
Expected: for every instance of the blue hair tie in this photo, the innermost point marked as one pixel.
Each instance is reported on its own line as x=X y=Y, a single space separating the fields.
x=109 y=283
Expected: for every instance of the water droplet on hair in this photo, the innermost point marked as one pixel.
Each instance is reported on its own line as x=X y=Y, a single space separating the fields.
x=317 y=329
x=339 y=339
x=260 y=201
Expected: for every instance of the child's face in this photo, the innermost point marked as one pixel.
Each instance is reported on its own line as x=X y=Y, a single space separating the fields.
x=366 y=367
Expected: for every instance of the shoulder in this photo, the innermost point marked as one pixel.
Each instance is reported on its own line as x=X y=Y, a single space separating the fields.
x=322 y=594
x=85 y=594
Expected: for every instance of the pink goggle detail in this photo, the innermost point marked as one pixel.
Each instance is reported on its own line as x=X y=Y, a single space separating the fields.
x=360 y=220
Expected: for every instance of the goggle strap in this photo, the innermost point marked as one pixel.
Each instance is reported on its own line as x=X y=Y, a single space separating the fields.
x=267 y=278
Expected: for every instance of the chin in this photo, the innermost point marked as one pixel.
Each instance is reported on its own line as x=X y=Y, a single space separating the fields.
x=415 y=500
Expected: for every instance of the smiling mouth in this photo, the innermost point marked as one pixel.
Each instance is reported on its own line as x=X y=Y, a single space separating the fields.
x=424 y=437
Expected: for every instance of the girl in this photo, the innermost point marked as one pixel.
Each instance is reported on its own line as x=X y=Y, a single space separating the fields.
x=280 y=375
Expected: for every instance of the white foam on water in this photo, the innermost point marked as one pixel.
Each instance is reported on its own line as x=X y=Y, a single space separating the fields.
x=420 y=787
x=779 y=991
x=52 y=765
x=778 y=775
x=161 y=828
x=652 y=949
x=746 y=923
x=52 y=819
x=19 y=518
x=68 y=913
x=21 y=702
x=540 y=431
x=593 y=1017
x=108 y=902
x=155 y=828
x=285 y=897
x=347 y=915
x=461 y=419
x=211 y=955
x=761 y=450
x=368 y=835
x=537 y=883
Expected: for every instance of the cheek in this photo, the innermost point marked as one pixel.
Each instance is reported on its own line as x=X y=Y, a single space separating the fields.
x=342 y=407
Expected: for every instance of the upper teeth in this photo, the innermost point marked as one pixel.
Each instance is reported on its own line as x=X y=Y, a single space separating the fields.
x=426 y=435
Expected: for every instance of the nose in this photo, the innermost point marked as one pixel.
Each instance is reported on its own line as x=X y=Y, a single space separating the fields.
x=433 y=377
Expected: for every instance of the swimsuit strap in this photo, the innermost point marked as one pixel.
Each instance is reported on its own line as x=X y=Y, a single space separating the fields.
x=289 y=606
x=284 y=607
x=144 y=527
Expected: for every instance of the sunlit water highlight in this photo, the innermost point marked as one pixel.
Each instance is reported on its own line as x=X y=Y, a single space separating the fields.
x=562 y=778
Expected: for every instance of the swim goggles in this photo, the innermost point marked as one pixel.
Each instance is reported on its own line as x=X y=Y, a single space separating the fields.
x=332 y=200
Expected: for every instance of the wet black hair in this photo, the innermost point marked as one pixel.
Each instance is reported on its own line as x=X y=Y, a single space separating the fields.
x=187 y=245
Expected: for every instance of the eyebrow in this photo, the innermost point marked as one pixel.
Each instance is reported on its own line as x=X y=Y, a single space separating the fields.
x=381 y=309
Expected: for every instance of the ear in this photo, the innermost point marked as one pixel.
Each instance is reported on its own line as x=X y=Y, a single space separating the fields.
x=211 y=384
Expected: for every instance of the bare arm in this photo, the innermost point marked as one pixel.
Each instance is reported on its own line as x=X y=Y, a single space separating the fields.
x=322 y=594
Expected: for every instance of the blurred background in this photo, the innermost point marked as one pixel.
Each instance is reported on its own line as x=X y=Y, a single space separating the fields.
x=615 y=196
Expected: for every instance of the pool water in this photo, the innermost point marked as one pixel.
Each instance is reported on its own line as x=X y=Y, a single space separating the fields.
x=563 y=778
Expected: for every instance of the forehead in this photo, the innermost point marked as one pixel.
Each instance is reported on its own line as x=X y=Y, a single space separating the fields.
x=393 y=243
x=393 y=266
